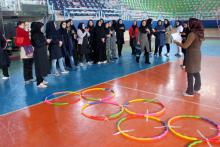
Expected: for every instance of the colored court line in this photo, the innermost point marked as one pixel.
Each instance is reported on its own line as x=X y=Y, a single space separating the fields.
x=183 y=100
x=88 y=87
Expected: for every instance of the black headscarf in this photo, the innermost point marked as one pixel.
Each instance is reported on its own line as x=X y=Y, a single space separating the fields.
x=168 y=23
x=114 y=25
x=50 y=29
x=62 y=30
x=107 y=30
x=80 y=26
x=134 y=26
x=36 y=27
x=142 y=28
x=88 y=26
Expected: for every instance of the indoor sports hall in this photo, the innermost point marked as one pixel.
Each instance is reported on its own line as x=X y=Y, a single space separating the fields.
x=110 y=73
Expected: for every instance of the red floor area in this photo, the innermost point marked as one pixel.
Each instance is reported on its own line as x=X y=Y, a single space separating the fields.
x=48 y=126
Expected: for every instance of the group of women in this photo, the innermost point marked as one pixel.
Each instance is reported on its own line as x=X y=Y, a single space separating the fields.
x=140 y=38
x=69 y=47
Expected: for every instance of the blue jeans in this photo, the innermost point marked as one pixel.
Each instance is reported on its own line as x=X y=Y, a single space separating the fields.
x=54 y=65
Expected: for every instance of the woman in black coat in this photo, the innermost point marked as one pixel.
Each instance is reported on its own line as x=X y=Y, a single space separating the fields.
x=149 y=25
x=100 y=43
x=4 y=59
x=91 y=28
x=67 y=46
x=41 y=60
x=120 y=36
x=54 y=48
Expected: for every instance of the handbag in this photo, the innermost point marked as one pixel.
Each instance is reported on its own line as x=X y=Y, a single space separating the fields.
x=28 y=50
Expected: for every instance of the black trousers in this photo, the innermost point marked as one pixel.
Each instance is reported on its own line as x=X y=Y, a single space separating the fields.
x=28 y=69
x=191 y=85
x=120 y=46
x=39 y=80
x=5 y=71
x=184 y=56
x=168 y=47
x=156 y=50
x=149 y=40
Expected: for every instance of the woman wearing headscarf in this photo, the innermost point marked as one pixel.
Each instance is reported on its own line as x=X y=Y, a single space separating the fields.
x=70 y=61
x=113 y=25
x=143 y=41
x=91 y=38
x=193 y=56
x=168 y=29
x=67 y=46
x=120 y=36
x=100 y=43
x=108 y=42
x=160 y=37
x=26 y=51
x=179 y=29
x=83 y=43
x=41 y=60
x=133 y=33
x=149 y=25
x=73 y=32
x=4 y=59
x=54 y=48
x=184 y=36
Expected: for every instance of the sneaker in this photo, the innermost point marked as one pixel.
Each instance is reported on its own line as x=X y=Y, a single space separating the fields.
x=148 y=62
x=197 y=91
x=27 y=82
x=183 y=66
x=105 y=62
x=81 y=64
x=41 y=85
x=45 y=82
x=187 y=95
x=167 y=55
x=65 y=72
x=5 y=78
x=99 y=62
x=56 y=74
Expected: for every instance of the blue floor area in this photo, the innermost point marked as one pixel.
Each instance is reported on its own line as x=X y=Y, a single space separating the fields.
x=15 y=95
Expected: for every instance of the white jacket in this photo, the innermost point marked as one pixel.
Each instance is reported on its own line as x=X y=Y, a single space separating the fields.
x=179 y=29
x=80 y=36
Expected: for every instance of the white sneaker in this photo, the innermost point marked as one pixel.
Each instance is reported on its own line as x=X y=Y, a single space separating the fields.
x=41 y=85
x=65 y=72
x=56 y=74
x=105 y=62
x=45 y=82
x=167 y=54
x=5 y=78
x=81 y=64
x=89 y=63
x=187 y=95
x=197 y=92
x=99 y=62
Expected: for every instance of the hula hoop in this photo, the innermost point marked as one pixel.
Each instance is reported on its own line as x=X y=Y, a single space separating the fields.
x=98 y=99
x=159 y=113
x=106 y=117
x=213 y=139
x=61 y=103
x=163 y=134
x=195 y=143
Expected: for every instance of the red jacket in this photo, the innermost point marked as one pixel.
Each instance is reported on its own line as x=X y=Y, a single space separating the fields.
x=135 y=33
x=21 y=33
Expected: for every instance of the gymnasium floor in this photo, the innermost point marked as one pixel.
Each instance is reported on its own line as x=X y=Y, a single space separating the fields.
x=25 y=121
